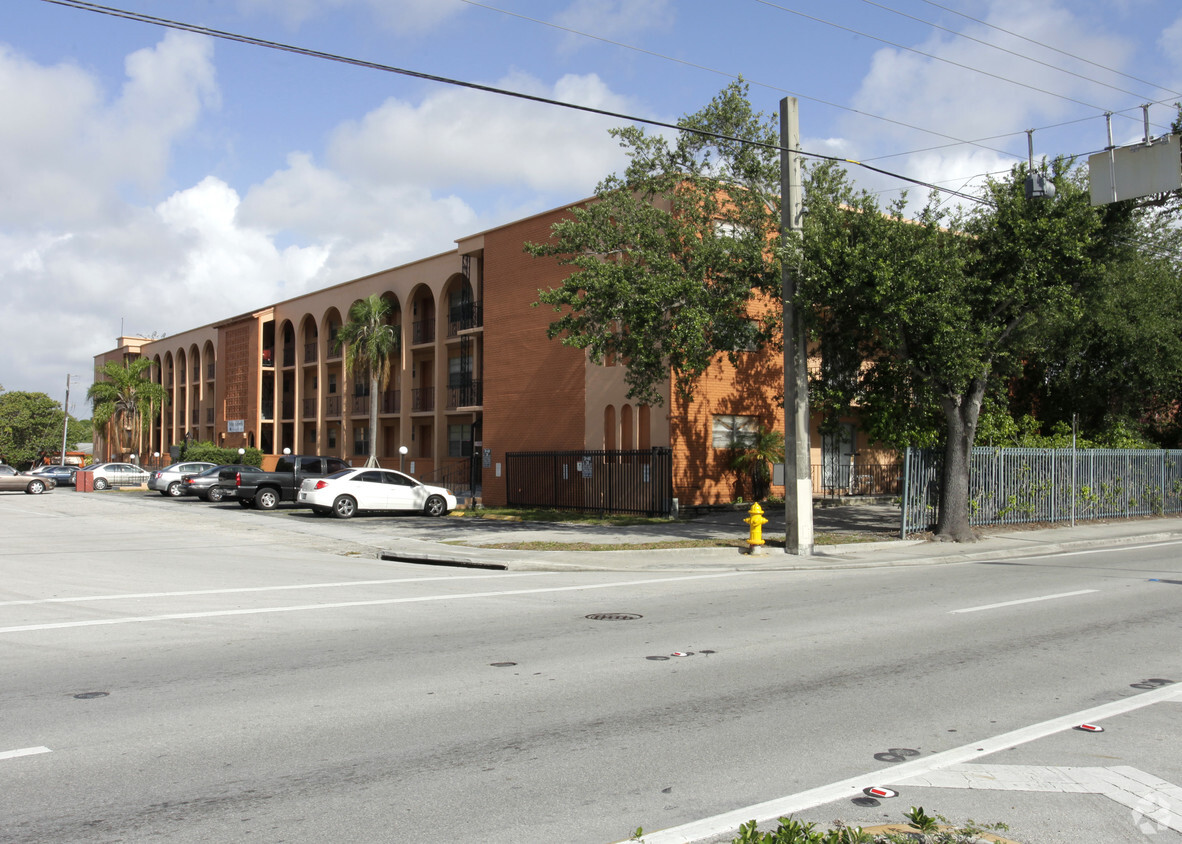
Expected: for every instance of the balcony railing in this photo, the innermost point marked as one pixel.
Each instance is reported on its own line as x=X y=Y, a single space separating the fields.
x=309 y=408
x=359 y=405
x=465 y=395
x=332 y=406
x=209 y=371
x=289 y=355
x=195 y=416
x=464 y=317
x=424 y=331
x=289 y=410
x=310 y=352
x=422 y=399
x=392 y=401
x=209 y=416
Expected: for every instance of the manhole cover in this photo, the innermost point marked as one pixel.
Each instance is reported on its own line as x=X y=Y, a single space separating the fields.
x=90 y=695
x=614 y=616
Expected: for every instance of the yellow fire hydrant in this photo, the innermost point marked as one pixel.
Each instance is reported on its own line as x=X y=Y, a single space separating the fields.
x=756 y=520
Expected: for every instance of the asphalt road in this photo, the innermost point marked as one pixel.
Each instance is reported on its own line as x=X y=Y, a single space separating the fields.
x=178 y=672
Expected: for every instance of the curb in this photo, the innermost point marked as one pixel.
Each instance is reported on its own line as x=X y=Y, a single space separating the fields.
x=724 y=559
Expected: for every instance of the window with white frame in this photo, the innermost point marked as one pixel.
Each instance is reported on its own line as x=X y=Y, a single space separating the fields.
x=734 y=431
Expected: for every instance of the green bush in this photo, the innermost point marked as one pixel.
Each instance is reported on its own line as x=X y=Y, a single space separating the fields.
x=215 y=454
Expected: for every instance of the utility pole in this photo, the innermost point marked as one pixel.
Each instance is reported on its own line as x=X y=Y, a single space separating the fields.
x=65 y=423
x=798 y=480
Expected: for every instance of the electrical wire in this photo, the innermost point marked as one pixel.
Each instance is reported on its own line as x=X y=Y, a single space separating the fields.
x=1028 y=58
x=970 y=68
x=429 y=77
x=1053 y=49
x=728 y=75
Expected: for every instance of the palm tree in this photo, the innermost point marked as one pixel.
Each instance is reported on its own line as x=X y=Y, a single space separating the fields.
x=753 y=458
x=122 y=397
x=370 y=343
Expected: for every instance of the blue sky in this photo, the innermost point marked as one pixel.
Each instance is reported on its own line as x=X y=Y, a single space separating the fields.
x=153 y=180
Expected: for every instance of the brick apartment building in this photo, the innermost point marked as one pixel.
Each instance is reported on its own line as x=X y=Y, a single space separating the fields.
x=476 y=378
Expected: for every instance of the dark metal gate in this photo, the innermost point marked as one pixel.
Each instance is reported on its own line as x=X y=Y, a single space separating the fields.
x=592 y=481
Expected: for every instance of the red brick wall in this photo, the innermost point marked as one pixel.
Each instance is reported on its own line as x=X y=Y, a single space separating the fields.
x=534 y=386
x=701 y=472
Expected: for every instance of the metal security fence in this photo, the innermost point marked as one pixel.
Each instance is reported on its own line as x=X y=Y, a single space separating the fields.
x=592 y=481
x=1018 y=485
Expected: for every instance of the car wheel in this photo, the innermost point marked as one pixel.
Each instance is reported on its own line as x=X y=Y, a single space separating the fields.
x=35 y=487
x=344 y=507
x=100 y=483
x=174 y=489
x=216 y=494
x=266 y=499
x=435 y=506
x=245 y=502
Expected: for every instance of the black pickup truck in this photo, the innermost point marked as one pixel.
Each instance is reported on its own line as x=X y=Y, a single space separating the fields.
x=266 y=489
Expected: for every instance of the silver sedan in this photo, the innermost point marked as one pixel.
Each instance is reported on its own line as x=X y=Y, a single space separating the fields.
x=11 y=479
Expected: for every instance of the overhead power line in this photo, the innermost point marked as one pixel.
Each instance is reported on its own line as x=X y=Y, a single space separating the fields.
x=489 y=89
x=1053 y=49
x=1024 y=56
x=933 y=57
x=728 y=75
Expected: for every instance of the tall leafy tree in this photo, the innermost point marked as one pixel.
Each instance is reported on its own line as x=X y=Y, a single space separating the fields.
x=124 y=395
x=668 y=256
x=30 y=423
x=1117 y=364
x=934 y=311
x=370 y=343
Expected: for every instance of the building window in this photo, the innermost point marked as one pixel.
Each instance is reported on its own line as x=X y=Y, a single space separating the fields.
x=361 y=440
x=332 y=383
x=332 y=437
x=735 y=431
x=459 y=440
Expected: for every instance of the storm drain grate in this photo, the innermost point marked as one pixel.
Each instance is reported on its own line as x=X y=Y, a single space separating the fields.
x=614 y=616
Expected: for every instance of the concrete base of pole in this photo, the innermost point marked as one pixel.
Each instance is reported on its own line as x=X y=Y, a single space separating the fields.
x=799 y=513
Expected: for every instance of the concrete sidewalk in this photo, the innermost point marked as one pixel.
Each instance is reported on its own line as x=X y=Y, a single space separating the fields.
x=995 y=544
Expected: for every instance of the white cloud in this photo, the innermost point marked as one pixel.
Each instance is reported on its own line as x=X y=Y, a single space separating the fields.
x=918 y=91
x=64 y=152
x=474 y=139
x=78 y=250
x=614 y=18
x=1171 y=43
x=405 y=17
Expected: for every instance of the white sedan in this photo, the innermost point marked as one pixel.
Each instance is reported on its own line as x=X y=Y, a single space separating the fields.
x=350 y=491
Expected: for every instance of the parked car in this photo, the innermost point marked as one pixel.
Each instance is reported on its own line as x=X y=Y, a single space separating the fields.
x=11 y=479
x=167 y=481
x=355 y=490
x=63 y=475
x=209 y=487
x=266 y=489
x=107 y=475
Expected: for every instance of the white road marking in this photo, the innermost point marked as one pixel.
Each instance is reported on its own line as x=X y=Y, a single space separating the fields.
x=728 y=822
x=372 y=603
x=24 y=751
x=1146 y=794
x=1026 y=601
x=1117 y=548
x=233 y=591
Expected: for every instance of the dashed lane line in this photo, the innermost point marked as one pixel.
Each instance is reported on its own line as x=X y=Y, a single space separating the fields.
x=1026 y=601
x=24 y=751
x=244 y=589
x=62 y=625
